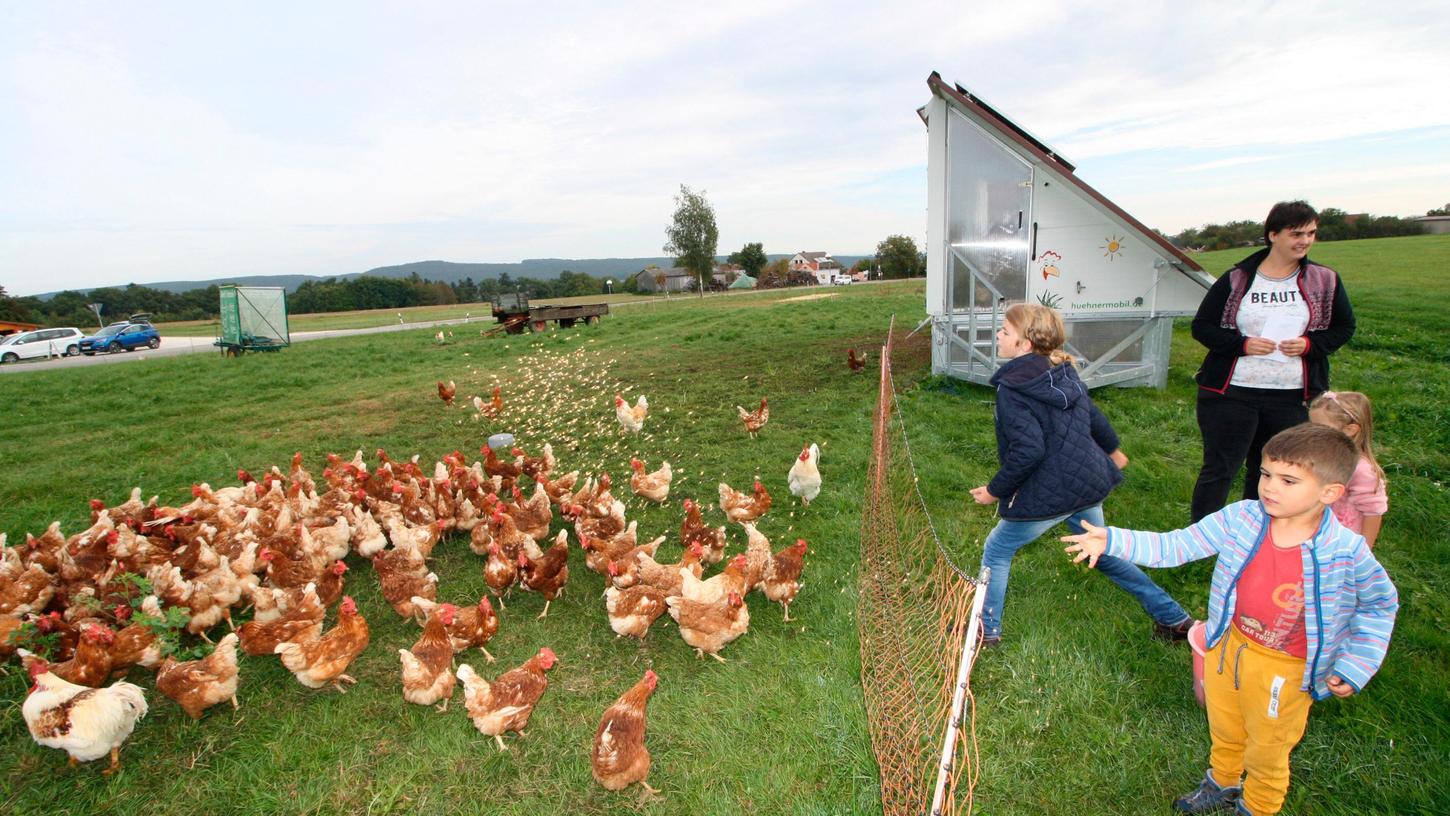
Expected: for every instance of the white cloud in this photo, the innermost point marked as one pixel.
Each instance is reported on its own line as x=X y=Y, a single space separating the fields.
x=194 y=142
x=1219 y=164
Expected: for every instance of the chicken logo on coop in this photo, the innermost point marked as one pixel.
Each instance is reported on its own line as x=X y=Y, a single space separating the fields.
x=1050 y=260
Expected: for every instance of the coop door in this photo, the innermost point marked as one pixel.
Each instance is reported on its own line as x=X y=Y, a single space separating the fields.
x=989 y=218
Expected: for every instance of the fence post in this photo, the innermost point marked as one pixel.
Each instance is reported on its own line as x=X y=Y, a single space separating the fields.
x=959 y=696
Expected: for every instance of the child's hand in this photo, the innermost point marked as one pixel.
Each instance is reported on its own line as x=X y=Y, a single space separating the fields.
x=1119 y=458
x=1089 y=545
x=1338 y=687
x=981 y=495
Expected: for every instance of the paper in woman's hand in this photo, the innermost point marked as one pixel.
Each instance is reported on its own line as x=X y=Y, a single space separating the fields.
x=1281 y=327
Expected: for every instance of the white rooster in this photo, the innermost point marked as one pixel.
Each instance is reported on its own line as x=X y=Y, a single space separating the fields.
x=631 y=419
x=86 y=723
x=804 y=476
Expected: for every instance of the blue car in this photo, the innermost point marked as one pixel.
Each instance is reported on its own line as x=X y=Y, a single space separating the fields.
x=127 y=335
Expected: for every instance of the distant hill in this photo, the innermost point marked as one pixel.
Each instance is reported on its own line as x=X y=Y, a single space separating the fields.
x=540 y=268
x=450 y=272
x=288 y=282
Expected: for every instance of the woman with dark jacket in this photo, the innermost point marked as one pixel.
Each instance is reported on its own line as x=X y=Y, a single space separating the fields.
x=1059 y=458
x=1269 y=324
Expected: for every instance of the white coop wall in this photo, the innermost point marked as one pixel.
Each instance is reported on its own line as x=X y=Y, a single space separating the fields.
x=1008 y=221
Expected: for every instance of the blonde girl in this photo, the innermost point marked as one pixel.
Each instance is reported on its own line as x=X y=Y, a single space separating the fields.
x=1058 y=459
x=1364 y=503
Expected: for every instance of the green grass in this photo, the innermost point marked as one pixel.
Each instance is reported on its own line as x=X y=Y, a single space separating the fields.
x=1079 y=711
x=779 y=728
x=325 y=321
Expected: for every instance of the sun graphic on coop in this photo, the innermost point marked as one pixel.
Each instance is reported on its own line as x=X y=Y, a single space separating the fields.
x=1113 y=248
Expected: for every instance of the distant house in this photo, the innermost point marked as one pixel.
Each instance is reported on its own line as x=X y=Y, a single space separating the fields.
x=820 y=264
x=1434 y=224
x=8 y=327
x=674 y=279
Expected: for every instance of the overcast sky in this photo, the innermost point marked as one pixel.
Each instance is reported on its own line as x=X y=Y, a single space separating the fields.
x=161 y=141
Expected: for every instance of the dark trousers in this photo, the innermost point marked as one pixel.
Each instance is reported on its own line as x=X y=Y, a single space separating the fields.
x=1235 y=425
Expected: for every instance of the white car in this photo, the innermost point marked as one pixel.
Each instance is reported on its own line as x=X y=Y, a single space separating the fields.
x=842 y=280
x=41 y=343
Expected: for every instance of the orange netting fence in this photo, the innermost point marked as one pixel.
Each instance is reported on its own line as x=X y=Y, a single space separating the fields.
x=915 y=614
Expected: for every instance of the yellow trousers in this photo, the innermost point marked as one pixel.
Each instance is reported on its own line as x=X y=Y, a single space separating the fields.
x=1256 y=715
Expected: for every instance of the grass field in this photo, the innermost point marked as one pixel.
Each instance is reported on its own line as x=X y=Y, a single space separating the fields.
x=1079 y=711
x=326 y=321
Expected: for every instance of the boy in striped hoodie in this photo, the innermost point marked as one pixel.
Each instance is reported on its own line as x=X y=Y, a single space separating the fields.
x=1298 y=610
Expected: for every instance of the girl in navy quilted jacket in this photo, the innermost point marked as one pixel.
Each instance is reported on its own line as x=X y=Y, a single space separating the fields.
x=1058 y=460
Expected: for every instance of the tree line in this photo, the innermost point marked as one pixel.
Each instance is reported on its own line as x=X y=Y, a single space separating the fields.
x=1334 y=225
x=692 y=236
x=71 y=307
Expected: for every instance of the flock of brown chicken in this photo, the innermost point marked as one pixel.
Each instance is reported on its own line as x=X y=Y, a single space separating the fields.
x=277 y=546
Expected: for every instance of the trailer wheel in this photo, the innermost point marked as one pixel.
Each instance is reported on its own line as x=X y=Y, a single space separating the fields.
x=591 y=320
x=539 y=326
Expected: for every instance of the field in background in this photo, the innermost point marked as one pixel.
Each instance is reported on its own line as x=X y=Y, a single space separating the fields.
x=473 y=312
x=1078 y=712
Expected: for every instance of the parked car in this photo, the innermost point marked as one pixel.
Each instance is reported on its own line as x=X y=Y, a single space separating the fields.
x=842 y=280
x=41 y=343
x=125 y=335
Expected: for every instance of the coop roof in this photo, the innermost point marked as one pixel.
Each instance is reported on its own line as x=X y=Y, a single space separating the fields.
x=1036 y=150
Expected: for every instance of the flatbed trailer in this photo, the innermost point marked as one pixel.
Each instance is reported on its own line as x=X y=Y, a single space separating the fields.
x=516 y=316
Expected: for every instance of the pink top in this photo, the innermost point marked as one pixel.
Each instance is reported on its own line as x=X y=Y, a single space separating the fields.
x=1363 y=496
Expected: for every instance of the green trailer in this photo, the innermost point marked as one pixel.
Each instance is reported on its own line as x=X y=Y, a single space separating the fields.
x=253 y=318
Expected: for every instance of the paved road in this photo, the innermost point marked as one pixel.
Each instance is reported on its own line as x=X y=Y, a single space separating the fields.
x=171 y=346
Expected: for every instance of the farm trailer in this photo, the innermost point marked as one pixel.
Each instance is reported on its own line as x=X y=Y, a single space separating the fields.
x=516 y=316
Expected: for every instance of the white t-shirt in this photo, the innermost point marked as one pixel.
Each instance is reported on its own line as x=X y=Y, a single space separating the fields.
x=1277 y=306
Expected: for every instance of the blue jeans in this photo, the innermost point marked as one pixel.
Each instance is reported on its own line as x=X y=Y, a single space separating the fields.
x=1010 y=536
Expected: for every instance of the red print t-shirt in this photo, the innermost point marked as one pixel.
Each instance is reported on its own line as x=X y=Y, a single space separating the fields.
x=1270 y=605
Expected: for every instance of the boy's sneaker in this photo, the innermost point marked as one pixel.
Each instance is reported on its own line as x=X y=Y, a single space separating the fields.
x=1209 y=797
x=991 y=642
x=1241 y=809
x=1178 y=631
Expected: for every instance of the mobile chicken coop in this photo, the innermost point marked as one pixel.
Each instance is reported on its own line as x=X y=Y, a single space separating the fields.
x=1009 y=222
x=253 y=318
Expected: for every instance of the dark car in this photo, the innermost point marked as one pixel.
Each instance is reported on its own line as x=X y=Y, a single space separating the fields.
x=125 y=335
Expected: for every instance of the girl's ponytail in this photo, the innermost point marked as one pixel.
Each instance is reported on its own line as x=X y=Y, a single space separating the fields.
x=1043 y=328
